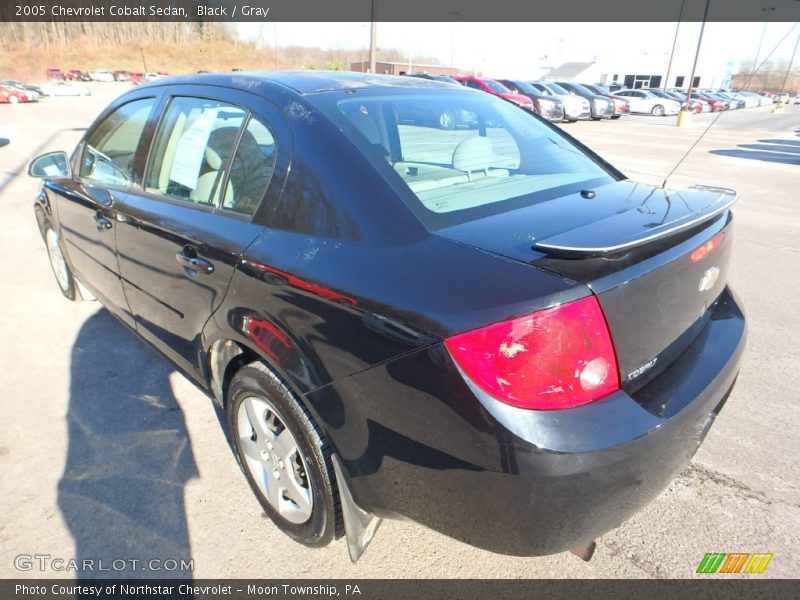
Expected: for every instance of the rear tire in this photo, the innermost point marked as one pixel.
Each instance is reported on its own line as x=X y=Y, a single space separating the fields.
x=13 y=100
x=658 y=111
x=63 y=274
x=284 y=457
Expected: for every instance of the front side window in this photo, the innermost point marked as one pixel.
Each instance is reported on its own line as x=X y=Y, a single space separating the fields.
x=486 y=154
x=109 y=153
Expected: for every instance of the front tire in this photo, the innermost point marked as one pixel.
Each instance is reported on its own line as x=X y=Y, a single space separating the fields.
x=658 y=111
x=447 y=119
x=13 y=100
x=284 y=456
x=61 y=270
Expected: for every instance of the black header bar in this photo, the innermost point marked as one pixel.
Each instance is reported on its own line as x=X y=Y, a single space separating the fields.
x=396 y=10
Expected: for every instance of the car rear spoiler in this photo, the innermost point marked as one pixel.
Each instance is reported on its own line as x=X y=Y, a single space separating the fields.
x=633 y=227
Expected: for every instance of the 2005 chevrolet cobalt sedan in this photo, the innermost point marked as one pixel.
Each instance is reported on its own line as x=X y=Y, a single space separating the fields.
x=483 y=326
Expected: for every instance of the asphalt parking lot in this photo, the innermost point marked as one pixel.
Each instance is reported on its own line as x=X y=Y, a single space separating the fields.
x=106 y=452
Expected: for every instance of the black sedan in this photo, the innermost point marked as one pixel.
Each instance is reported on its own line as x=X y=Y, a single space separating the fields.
x=488 y=330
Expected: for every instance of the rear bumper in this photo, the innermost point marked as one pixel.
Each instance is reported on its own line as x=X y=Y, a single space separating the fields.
x=417 y=442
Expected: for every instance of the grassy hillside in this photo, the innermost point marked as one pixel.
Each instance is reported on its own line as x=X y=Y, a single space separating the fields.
x=87 y=53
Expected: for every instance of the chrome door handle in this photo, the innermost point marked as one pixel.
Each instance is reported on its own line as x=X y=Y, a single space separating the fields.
x=101 y=222
x=194 y=263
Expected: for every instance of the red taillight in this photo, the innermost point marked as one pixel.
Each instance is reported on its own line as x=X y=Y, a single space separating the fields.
x=554 y=358
x=708 y=247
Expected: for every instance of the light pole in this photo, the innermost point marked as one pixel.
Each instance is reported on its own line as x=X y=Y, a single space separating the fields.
x=674 y=42
x=760 y=42
x=453 y=15
x=373 y=36
x=682 y=115
x=789 y=70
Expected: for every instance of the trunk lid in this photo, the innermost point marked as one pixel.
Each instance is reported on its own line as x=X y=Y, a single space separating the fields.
x=632 y=245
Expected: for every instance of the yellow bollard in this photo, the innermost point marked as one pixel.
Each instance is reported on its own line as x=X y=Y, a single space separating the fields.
x=684 y=118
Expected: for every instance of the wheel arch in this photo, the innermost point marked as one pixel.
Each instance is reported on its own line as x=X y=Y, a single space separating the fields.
x=224 y=358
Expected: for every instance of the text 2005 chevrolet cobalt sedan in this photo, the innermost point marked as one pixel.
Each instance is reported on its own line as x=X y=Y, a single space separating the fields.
x=481 y=326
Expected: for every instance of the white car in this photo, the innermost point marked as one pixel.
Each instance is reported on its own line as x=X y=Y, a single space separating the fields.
x=643 y=102
x=101 y=75
x=575 y=107
x=751 y=99
x=152 y=77
x=61 y=88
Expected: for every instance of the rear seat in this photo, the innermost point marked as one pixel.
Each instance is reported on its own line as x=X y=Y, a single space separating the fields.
x=472 y=160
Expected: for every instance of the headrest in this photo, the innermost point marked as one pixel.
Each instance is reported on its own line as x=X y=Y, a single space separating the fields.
x=473 y=154
x=213 y=159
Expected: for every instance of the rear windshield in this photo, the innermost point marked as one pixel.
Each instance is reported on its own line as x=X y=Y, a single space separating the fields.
x=462 y=155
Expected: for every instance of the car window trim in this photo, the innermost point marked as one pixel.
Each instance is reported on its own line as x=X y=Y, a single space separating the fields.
x=169 y=97
x=233 y=213
x=259 y=105
x=83 y=145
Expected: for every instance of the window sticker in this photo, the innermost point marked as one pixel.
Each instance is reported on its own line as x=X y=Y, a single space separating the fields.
x=191 y=149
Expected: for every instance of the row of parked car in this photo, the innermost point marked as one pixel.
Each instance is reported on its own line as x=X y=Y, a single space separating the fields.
x=67 y=83
x=16 y=92
x=135 y=77
x=569 y=101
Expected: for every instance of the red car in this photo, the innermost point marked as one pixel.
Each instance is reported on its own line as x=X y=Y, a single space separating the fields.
x=490 y=86
x=696 y=106
x=619 y=104
x=78 y=75
x=9 y=95
x=716 y=105
x=57 y=74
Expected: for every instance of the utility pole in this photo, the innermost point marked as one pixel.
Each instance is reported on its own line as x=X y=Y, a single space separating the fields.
x=760 y=42
x=791 y=63
x=674 y=42
x=453 y=14
x=373 y=36
x=686 y=110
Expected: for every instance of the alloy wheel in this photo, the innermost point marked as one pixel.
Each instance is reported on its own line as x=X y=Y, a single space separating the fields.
x=447 y=120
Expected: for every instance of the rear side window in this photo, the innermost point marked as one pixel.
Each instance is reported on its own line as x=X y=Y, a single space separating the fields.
x=212 y=154
x=251 y=168
x=111 y=148
x=459 y=153
x=192 y=149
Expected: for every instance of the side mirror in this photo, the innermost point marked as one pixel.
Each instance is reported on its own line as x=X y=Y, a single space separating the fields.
x=53 y=165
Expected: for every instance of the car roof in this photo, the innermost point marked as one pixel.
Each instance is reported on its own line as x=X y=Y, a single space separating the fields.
x=307 y=82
